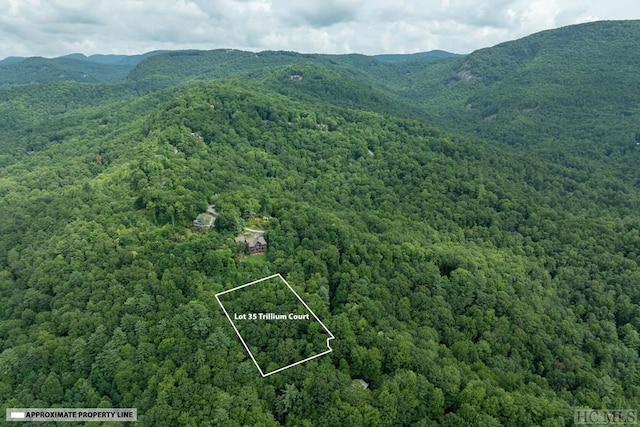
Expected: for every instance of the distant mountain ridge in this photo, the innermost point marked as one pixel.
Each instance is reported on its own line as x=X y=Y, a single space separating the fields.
x=121 y=59
x=100 y=68
x=113 y=59
x=431 y=55
x=11 y=60
x=73 y=67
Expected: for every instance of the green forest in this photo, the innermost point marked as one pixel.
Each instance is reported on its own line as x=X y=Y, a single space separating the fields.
x=466 y=226
x=276 y=327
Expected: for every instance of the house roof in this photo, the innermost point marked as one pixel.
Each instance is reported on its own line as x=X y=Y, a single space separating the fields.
x=204 y=220
x=253 y=240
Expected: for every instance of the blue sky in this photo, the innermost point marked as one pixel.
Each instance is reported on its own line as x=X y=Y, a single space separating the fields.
x=58 y=27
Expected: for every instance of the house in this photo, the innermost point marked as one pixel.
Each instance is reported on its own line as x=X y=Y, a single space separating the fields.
x=297 y=77
x=207 y=219
x=204 y=221
x=254 y=244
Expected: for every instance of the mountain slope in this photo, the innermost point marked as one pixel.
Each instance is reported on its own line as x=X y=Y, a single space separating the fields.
x=11 y=60
x=355 y=81
x=442 y=267
x=75 y=67
x=431 y=55
x=130 y=60
x=39 y=70
x=572 y=83
x=174 y=68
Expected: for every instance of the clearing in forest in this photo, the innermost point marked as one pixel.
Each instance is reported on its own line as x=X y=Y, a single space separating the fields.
x=275 y=326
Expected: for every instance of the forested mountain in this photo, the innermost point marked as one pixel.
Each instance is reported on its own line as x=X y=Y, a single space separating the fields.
x=11 y=60
x=571 y=87
x=75 y=67
x=131 y=60
x=40 y=70
x=474 y=254
x=175 y=67
x=431 y=55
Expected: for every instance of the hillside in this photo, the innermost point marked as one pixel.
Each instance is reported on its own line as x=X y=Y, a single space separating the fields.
x=573 y=88
x=130 y=60
x=468 y=279
x=427 y=56
x=40 y=70
x=177 y=67
x=75 y=67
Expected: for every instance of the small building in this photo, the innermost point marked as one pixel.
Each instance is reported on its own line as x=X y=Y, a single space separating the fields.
x=254 y=244
x=297 y=77
x=204 y=221
x=207 y=219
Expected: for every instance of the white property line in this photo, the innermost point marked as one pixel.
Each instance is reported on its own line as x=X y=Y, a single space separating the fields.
x=331 y=336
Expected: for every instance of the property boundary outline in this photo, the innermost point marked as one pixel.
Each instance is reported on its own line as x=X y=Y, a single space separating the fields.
x=263 y=374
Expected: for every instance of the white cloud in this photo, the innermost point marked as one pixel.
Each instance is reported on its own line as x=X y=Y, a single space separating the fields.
x=317 y=13
x=56 y=27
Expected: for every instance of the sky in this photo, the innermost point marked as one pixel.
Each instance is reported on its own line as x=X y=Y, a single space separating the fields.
x=52 y=28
